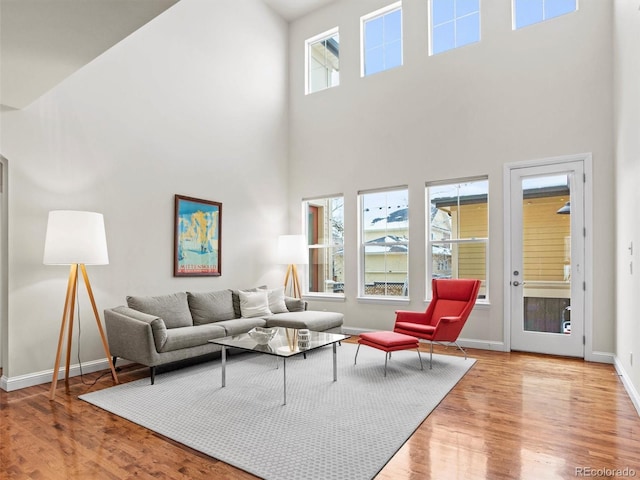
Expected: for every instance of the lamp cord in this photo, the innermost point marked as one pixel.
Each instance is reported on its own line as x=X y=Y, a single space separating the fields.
x=79 y=335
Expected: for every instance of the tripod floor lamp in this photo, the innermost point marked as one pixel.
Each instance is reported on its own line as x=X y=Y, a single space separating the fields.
x=292 y=251
x=76 y=239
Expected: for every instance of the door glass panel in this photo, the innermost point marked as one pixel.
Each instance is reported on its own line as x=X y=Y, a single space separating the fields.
x=546 y=247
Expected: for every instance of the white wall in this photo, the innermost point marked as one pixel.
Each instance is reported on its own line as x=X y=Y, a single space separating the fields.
x=194 y=103
x=627 y=147
x=543 y=91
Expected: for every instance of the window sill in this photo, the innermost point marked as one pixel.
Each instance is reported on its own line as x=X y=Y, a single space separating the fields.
x=384 y=300
x=323 y=297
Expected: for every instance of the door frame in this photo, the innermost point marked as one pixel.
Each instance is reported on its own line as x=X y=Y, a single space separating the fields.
x=586 y=159
x=4 y=270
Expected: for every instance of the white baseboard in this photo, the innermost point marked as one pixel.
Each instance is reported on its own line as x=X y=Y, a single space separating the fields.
x=464 y=342
x=600 y=357
x=483 y=344
x=10 y=384
x=628 y=384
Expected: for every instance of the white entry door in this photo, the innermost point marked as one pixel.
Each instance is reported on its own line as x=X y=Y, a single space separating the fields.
x=546 y=277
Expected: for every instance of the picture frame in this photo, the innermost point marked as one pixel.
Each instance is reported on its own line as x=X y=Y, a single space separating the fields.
x=197 y=237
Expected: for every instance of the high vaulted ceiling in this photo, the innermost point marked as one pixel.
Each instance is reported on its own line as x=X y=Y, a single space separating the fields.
x=44 y=41
x=292 y=9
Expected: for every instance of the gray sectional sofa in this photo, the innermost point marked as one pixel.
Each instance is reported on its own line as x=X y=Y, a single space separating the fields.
x=159 y=330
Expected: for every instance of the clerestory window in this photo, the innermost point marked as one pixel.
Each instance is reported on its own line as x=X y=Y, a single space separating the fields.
x=454 y=23
x=382 y=39
x=323 y=61
x=528 y=12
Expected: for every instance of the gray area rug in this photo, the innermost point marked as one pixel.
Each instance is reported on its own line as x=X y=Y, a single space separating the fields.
x=347 y=429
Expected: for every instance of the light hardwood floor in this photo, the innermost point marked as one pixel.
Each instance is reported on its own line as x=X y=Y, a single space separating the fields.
x=514 y=415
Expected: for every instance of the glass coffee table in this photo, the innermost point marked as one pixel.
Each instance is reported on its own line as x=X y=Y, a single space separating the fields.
x=282 y=345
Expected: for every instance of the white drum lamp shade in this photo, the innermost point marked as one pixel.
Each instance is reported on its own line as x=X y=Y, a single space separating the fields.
x=292 y=250
x=75 y=237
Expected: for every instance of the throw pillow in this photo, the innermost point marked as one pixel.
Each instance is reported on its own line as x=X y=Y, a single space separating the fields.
x=276 y=300
x=210 y=307
x=172 y=308
x=295 y=304
x=254 y=304
x=236 y=298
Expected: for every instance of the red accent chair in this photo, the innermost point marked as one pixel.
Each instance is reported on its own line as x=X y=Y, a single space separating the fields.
x=452 y=302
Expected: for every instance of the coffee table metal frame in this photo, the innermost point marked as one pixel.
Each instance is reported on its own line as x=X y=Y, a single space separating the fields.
x=280 y=346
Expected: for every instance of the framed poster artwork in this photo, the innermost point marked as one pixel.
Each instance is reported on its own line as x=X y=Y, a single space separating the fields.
x=197 y=240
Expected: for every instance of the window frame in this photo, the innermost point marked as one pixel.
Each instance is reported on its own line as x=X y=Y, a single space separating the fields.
x=325 y=246
x=455 y=22
x=362 y=243
x=381 y=12
x=307 y=62
x=429 y=242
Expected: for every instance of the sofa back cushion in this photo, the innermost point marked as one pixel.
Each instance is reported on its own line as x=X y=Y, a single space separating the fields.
x=209 y=307
x=172 y=308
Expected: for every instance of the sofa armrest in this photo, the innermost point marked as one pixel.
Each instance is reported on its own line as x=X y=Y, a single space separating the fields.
x=134 y=335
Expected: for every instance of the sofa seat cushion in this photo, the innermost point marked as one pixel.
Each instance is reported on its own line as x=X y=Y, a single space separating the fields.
x=313 y=320
x=208 y=307
x=186 y=337
x=241 y=325
x=172 y=308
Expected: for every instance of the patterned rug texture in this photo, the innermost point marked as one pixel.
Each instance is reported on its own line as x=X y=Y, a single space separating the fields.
x=344 y=430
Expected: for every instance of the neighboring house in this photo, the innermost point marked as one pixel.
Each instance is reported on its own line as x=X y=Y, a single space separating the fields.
x=386 y=251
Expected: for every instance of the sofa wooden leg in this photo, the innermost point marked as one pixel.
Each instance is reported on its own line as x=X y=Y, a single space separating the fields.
x=153 y=375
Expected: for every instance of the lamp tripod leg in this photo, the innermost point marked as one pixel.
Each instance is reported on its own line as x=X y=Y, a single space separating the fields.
x=286 y=277
x=105 y=345
x=67 y=316
x=68 y=304
x=296 y=283
x=70 y=314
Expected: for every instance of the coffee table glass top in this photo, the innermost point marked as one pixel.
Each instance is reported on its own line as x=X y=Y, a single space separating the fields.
x=283 y=343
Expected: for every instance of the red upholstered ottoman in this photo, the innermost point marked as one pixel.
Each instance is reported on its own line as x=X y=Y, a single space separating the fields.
x=388 y=342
